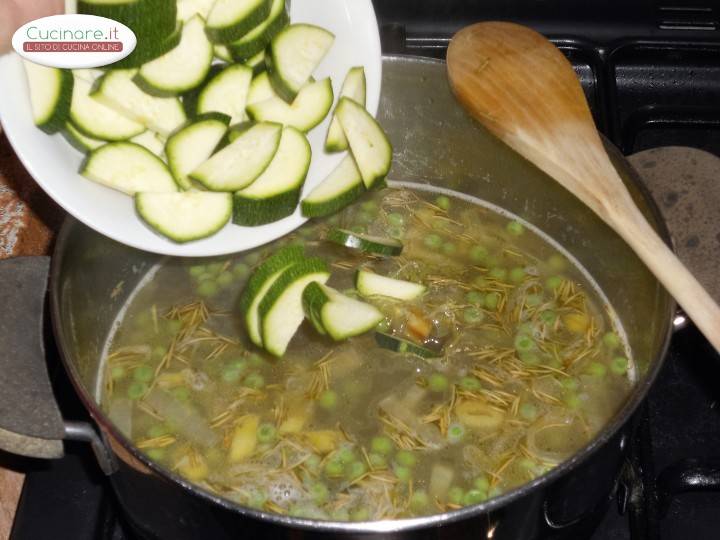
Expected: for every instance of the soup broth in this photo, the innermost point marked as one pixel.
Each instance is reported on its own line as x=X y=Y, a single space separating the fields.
x=526 y=365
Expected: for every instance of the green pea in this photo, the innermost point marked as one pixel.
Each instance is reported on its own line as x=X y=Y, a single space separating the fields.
x=396 y=232
x=474 y=297
x=596 y=369
x=455 y=495
x=137 y=390
x=478 y=254
x=225 y=279
x=611 y=340
x=328 y=400
x=471 y=384
x=532 y=300
x=548 y=316
x=181 y=393
x=253 y=258
x=254 y=380
x=215 y=268
x=553 y=282
x=383 y=326
x=233 y=372
x=396 y=219
x=266 y=433
x=619 y=365
x=377 y=461
x=449 y=248
x=207 y=276
x=334 y=469
x=492 y=260
x=433 y=241
x=473 y=315
x=157 y=430
x=528 y=464
x=143 y=373
x=515 y=228
x=117 y=373
x=255 y=360
x=319 y=493
x=528 y=411
x=257 y=499
x=369 y=206
x=524 y=343
x=404 y=474
x=173 y=326
x=241 y=270
x=492 y=300
x=312 y=462
x=572 y=401
x=197 y=270
x=517 y=274
x=341 y=514
x=495 y=491
x=443 y=202
x=498 y=273
x=557 y=262
x=207 y=288
x=455 y=433
x=159 y=351
x=382 y=445
x=156 y=454
x=355 y=470
x=345 y=455
x=419 y=500
x=474 y=496
x=360 y=514
x=529 y=358
x=437 y=382
x=405 y=458
x=482 y=483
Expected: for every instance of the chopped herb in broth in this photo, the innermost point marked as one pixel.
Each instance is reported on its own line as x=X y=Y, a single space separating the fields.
x=524 y=367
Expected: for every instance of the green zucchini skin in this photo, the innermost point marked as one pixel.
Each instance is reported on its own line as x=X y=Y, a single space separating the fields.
x=257 y=39
x=234 y=30
x=397 y=344
x=61 y=111
x=249 y=212
x=190 y=99
x=79 y=140
x=365 y=243
x=314 y=298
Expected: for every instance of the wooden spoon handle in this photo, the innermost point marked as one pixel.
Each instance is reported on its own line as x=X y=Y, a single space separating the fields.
x=670 y=271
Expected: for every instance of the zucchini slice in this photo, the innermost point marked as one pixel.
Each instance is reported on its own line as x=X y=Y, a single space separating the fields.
x=338 y=190
x=151 y=141
x=185 y=216
x=229 y=20
x=371 y=284
x=79 y=140
x=192 y=145
x=257 y=63
x=221 y=52
x=181 y=69
x=149 y=48
x=354 y=87
x=51 y=92
x=128 y=167
x=340 y=316
x=258 y=38
x=368 y=143
x=187 y=9
x=365 y=242
x=310 y=107
x=293 y=55
x=281 y=310
x=241 y=162
x=397 y=344
x=275 y=193
x=95 y=120
x=117 y=90
x=262 y=279
x=150 y=20
x=227 y=93
x=260 y=89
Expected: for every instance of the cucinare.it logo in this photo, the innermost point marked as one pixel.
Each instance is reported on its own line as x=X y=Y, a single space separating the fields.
x=74 y=41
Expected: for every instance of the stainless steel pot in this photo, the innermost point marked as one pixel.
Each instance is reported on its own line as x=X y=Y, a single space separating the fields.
x=435 y=142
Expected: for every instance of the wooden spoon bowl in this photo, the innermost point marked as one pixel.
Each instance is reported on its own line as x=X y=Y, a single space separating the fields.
x=523 y=89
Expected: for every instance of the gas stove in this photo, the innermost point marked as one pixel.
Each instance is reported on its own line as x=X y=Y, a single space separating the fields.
x=651 y=74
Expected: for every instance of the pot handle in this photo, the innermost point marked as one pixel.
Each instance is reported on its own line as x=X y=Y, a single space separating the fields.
x=30 y=421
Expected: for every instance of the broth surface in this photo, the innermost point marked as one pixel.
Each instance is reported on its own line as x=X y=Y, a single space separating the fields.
x=531 y=365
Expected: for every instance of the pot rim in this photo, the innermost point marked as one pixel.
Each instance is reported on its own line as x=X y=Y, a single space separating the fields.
x=620 y=418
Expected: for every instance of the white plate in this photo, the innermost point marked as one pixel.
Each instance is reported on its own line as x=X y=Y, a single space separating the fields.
x=53 y=163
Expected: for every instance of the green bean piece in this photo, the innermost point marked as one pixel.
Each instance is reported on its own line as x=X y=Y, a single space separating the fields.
x=404 y=474
x=455 y=433
x=117 y=373
x=207 y=288
x=143 y=373
x=596 y=369
x=405 y=458
x=156 y=454
x=455 y=495
x=492 y=300
x=478 y=254
x=474 y=496
x=469 y=383
x=473 y=315
x=254 y=380
x=498 y=273
x=433 y=241
x=225 y=279
x=474 y=297
x=528 y=411
x=515 y=228
x=396 y=219
x=319 y=493
x=517 y=274
x=443 y=202
x=619 y=365
x=611 y=340
x=437 y=382
x=419 y=500
x=382 y=445
x=334 y=468
x=553 y=282
x=355 y=470
x=266 y=433
x=137 y=390
x=328 y=400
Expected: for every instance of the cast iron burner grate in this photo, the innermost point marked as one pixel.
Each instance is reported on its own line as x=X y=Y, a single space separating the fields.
x=643 y=94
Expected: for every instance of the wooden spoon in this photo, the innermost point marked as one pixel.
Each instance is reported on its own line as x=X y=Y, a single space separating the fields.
x=524 y=90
